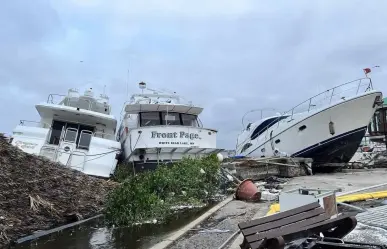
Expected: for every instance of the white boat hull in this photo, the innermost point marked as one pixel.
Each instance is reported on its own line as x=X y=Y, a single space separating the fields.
x=100 y=160
x=147 y=147
x=350 y=120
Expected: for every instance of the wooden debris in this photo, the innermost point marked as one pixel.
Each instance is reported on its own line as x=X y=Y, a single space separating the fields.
x=37 y=194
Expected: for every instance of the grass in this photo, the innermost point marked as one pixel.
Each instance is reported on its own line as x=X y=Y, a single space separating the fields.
x=150 y=195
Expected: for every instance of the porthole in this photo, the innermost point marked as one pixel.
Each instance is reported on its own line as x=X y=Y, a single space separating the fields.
x=303 y=127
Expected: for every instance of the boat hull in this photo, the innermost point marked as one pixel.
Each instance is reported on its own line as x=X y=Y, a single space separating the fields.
x=329 y=135
x=99 y=160
x=339 y=149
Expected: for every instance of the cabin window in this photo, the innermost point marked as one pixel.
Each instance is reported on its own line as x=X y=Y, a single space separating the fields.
x=150 y=119
x=75 y=133
x=189 y=120
x=56 y=131
x=170 y=118
x=266 y=125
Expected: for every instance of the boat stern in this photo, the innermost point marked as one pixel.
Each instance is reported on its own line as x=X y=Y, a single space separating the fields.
x=169 y=143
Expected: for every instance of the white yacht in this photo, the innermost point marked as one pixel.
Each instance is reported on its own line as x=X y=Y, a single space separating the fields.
x=75 y=130
x=327 y=127
x=156 y=127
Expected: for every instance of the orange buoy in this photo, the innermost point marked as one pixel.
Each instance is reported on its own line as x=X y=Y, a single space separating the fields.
x=247 y=191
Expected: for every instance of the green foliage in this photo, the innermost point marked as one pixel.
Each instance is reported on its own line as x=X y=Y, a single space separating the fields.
x=122 y=171
x=151 y=194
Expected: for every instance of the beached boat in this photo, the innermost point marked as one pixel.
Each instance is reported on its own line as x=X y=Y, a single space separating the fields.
x=328 y=127
x=157 y=127
x=75 y=130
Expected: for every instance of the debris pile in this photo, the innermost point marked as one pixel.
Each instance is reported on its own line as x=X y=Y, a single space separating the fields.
x=366 y=160
x=261 y=168
x=37 y=194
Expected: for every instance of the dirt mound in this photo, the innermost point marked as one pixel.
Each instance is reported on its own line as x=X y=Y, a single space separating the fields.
x=37 y=194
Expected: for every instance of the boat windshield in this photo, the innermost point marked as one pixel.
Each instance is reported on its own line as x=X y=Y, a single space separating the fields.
x=262 y=127
x=170 y=118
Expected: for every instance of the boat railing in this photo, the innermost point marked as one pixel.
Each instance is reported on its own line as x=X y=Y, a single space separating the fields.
x=53 y=98
x=262 y=111
x=60 y=99
x=37 y=124
x=104 y=135
x=331 y=95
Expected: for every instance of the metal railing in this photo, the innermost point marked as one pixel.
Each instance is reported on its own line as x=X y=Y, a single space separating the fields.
x=333 y=94
x=53 y=99
x=30 y=123
x=312 y=103
x=104 y=135
x=256 y=110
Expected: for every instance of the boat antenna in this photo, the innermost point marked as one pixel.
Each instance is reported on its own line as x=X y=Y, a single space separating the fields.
x=104 y=89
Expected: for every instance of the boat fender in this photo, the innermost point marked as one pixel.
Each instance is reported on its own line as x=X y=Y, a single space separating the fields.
x=331 y=128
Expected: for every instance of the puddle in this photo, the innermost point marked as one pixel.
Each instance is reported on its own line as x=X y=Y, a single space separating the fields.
x=95 y=235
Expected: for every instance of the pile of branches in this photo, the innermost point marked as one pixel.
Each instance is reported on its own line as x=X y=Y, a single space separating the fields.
x=37 y=194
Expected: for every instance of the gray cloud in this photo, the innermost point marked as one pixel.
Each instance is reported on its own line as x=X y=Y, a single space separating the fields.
x=227 y=56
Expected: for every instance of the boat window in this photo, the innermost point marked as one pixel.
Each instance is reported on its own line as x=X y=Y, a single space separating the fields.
x=245 y=147
x=303 y=127
x=71 y=135
x=85 y=133
x=150 y=118
x=170 y=118
x=85 y=139
x=74 y=133
x=56 y=131
x=189 y=120
x=266 y=125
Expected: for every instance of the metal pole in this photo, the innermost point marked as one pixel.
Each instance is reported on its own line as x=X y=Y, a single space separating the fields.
x=358 y=87
x=352 y=206
x=362 y=189
x=331 y=95
x=310 y=102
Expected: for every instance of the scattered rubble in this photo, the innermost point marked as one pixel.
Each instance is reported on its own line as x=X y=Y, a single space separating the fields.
x=367 y=160
x=261 y=168
x=37 y=194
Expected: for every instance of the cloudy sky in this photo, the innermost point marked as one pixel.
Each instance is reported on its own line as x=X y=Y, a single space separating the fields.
x=228 y=56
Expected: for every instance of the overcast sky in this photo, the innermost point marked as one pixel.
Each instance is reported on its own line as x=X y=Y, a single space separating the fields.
x=228 y=56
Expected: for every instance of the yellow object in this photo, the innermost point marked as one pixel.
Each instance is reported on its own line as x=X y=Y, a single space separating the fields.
x=275 y=208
